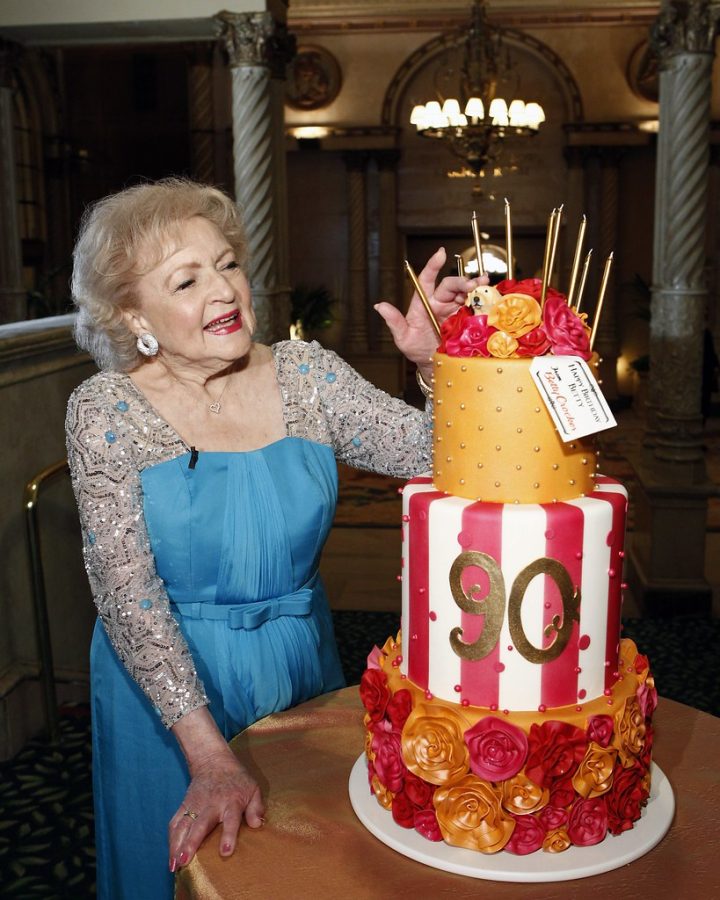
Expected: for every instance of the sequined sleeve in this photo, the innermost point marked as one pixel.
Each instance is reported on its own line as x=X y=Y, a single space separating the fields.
x=107 y=448
x=328 y=401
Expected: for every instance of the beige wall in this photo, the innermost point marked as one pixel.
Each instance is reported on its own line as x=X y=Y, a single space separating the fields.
x=39 y=367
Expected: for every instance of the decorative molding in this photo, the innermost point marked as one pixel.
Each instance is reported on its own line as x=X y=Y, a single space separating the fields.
x=684 y=26
x=256 y=39
x=30 y=350
x=314 y=79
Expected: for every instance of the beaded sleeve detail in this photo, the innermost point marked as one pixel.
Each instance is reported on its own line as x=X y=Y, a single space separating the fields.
x=327 y=401
x=113 y=435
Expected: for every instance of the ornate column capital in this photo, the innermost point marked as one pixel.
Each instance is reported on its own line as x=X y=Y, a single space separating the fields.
x=684 y=26
x=256 y=39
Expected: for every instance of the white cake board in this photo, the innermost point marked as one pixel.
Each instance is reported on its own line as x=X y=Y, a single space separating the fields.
x=575 y=862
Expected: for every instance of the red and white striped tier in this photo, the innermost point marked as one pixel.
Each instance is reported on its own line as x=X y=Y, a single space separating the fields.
x=547 y=588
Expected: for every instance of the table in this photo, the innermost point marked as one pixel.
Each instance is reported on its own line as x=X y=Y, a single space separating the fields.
x=314 y=846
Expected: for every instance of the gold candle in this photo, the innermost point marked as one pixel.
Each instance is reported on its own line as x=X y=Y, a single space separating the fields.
x=601 y=298
x=555 y=238
x=576 y=260
x=508 y=240
x=583 y=279
x=423 y=297
x=478 y=245
x=546 y=258
x=458 y=262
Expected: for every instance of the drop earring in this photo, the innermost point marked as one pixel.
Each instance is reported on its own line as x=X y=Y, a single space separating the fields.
x=147 y=344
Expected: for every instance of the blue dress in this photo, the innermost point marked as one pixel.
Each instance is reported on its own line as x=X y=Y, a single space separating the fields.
x=237 y=540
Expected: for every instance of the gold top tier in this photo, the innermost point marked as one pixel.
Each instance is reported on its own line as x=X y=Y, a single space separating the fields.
x=495 y=441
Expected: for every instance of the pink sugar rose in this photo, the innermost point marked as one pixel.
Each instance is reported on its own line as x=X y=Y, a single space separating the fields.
x=647 y=699
x=562 y=792
x=600 y=729
x=553 y=817
x=425 y=823
x=555 y=751
x=375 y=657
x=588 y=823
x=389 y=765
x=498 y=749
x=399 y=707
x=527 y=837
x=534 y=343
x=565 y=329
x=472 y=340
x=452 y=328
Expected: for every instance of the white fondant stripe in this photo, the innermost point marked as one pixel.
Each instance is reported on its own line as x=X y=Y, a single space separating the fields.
x=594 y=594
x=445 y=525
x=523 y=540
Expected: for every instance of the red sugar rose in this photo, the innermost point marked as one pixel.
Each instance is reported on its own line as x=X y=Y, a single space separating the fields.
x=588 y=823
x=625 y=798
x=534 y=343
x=527 y=837
x=374 y=693
x=473 y=339
x=403 y=812
x=453 y=326
x=553 y=817
x=418 y=792
x=556 y=749
x=399 y=707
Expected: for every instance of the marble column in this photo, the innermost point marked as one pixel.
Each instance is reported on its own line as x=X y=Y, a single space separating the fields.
x=356 y=327
x=667 y=554
x=390 y=286
x=259 y=48
x=13 y=304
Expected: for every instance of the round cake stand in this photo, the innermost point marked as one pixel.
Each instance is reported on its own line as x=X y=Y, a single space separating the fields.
x=575 y=862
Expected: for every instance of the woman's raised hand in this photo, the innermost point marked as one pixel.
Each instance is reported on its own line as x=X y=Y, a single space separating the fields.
x=413 y=333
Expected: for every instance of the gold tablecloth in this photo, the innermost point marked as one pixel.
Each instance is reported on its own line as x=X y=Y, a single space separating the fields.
x=313 y=845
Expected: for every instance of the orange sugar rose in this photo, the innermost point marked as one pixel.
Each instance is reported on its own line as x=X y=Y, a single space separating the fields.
x=594 y=775
x=501 y=345
x=432 y=744
x=515 y=314
x=470 y=815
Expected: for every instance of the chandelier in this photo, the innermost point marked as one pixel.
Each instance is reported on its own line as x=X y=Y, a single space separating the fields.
x=475 y=123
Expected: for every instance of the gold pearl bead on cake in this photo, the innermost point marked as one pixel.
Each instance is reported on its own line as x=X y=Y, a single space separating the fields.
x=498 y=409
x=519 y=431
x=556 y=466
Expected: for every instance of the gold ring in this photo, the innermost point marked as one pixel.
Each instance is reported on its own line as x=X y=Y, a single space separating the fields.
x=192 y=815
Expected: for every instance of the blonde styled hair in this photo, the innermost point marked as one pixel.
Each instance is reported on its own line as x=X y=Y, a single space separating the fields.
x=114 y=232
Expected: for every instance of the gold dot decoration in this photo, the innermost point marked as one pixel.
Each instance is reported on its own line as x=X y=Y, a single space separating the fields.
x=536 y=484
x=498 y=409
x=448 y=424
x=519 y=390
x=518 y=467
x=498 y=447
x=536 y=448
x=572 y=481
x=480 y=388
x=499 y=370
x=448 y=459
x=479 y=465
x=462 y=406
x=463 y=368
x=519 y=431
x=462 y=481
x=449 y=383
x=462 y=445
x=497 y=484
x=584 y=460
x=556 y=466
x=481 y=428
x=537 y=409
x=439 y=401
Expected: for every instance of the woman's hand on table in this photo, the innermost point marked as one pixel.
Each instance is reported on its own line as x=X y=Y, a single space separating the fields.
x=221 y=791
x=413 y=333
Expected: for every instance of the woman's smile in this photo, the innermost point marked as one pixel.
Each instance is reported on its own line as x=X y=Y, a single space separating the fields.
x=226 y=324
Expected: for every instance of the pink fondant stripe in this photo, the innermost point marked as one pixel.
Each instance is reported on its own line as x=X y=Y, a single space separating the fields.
x=481 y=530
x=564 y=537
x=416 y=642
x=618 y=501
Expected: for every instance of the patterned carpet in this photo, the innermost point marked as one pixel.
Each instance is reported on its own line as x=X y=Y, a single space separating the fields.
x=46 y=820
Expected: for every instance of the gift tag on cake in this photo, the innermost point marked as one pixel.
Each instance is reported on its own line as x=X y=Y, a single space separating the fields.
x=572 y=396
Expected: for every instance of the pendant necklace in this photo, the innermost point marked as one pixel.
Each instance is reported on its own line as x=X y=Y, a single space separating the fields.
x=216 y=406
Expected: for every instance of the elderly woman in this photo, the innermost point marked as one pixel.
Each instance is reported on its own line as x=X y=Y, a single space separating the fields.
x=204 y=469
